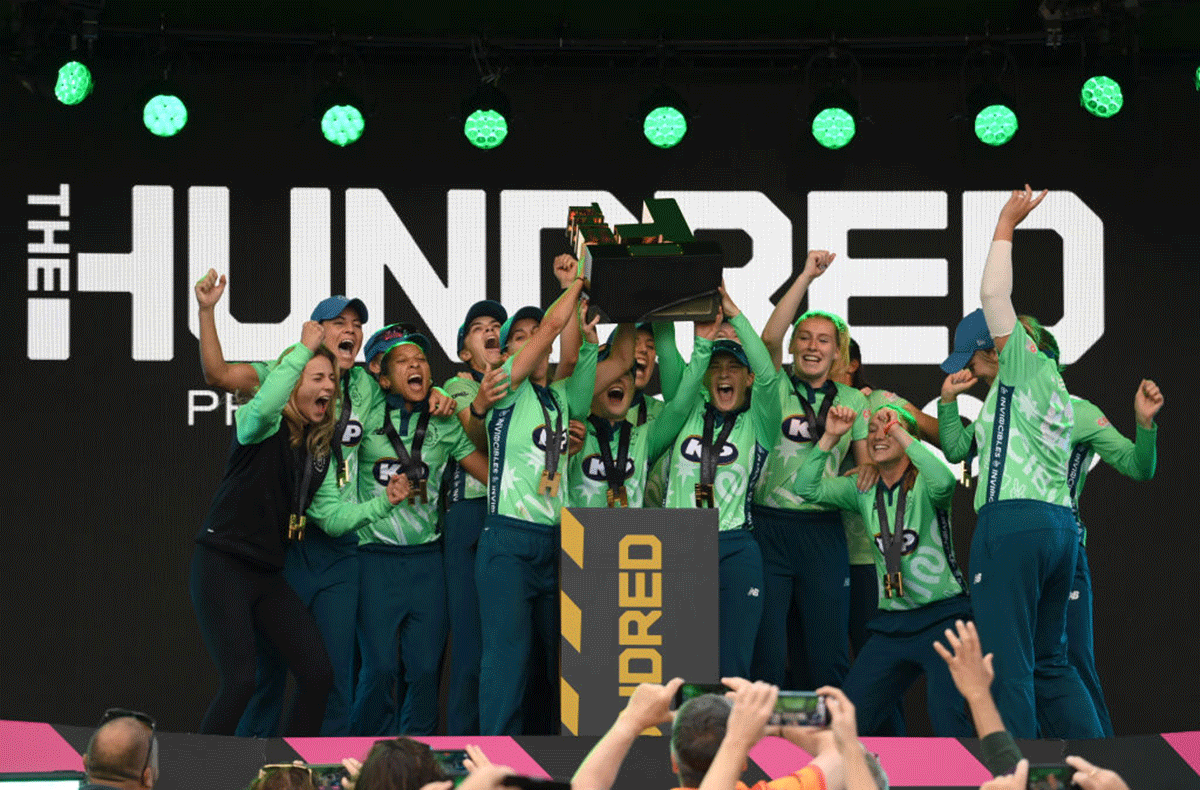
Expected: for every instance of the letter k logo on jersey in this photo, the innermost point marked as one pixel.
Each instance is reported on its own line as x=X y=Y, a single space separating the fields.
x=753 y=592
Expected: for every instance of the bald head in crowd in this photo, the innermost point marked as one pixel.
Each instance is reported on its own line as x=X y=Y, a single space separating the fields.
x=122 y=753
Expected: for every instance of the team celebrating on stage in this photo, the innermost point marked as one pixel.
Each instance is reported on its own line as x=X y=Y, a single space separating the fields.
x=366 y=516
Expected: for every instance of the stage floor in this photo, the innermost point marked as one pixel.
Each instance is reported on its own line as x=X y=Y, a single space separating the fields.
x=1169 y=762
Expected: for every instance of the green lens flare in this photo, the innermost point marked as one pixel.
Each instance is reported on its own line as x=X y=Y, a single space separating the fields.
x=74 y=83
x=995 y=125
x=342 y=124
x=664 y=126
x=165 y=115
x=1198 y=78
x=1101 y=96
x=485 y=128
x=833 y=127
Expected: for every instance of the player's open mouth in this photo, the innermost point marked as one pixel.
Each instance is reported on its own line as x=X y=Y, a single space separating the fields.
x=322 y=401
x=880 y=446
x=416 y=381
x=811 y=358
x=639 y=367
x=346 y=346
x=725 y=390
x=616 y=395
x=492 y=342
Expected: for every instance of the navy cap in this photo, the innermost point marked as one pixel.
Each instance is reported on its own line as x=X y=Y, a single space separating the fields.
x=382 y=338
x=416 y=338
x=731 y=348
x=971 y=335
x=535 y=313
x=487 y=307
x=334 y=305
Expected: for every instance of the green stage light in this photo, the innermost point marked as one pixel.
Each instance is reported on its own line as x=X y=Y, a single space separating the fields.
x=74 y=83
x=833 y=127
x=1101 y=96
x=664 y=126
x=486 y=128
x=1198 y=78
x=995 y=124
x=342 y=124
x=165 y=115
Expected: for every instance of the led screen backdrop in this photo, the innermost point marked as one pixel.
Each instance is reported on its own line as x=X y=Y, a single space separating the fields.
x=118 y=444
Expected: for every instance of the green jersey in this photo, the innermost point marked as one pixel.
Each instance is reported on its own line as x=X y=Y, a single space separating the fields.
x=740 y=460
x=649 y=407
x=1094 y=435
x=927 y=563
x=801 y=428
x=366 y=414
x=647 y=442
x=860 y=544
x=517 y=433
x=1023 y=431
x=462 y=485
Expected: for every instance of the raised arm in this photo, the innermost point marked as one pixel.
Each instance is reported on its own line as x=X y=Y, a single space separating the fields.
x=582 y=383
x=670 y=422
x=336 y=518
x=765 y=406
x=619 y=359
x=565 y=267
x=260 y=418
x=995 y=291
x=753 y=704
x=648 y=707
x=556 y=318
x=811 y=483
x=789 y=304
x=231 y=377
x=939 y=480
x=670 y=361
x=955 y=438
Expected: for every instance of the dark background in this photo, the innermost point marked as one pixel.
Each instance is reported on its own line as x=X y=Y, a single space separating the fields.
x=107 y=484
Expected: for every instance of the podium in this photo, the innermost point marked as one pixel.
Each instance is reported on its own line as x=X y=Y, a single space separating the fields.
x=639 y=590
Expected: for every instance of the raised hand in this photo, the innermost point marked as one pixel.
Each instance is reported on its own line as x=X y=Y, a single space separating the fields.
x=753 y=704
x=576 y=434
x=709 y=330
x=1092 y=777
x=727 y=306
x=492 y=388
x=650 y=704
x=1146 y=403
x=588 y=326
x=398 y=489
x=842 y=721
x=566 y=268
x=1019 y=205
x=312 y=334
x=1015 y=781
x=957 y=383
x=476 y=759
x=209 y=289
x=441 y=405
x=817 y=262
x=840 y=420
x=971 y=670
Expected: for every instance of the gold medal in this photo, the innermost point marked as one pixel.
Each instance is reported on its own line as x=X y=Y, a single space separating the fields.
x=417 y=490
x=704 y=495
x=549 y=483
x=343 y=475
x=295 y=527
x=618 y=495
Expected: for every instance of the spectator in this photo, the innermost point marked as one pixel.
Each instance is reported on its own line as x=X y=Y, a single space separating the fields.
x=284 y=776
x=122 y=752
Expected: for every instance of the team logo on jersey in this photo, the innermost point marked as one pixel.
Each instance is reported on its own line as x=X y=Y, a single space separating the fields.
x=1031 y=347
x=539 y=439
x=1103 y=421
x=691 y=449
x=908 y=547
x=797 y=429
x=595 y=469
x=353 y=434
x=386 y=467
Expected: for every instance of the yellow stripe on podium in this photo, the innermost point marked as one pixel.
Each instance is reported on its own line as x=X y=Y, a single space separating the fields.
x=572 y=621
x=570 y=707
x=572 y=537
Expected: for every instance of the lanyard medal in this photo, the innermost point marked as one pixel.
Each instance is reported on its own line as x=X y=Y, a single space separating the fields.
x=710 y=453
x=548 y=485
x=614 y=469
x=414 y=468
x=892 y=541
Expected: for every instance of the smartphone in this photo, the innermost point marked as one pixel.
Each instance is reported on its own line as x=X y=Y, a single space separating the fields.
x=689 y=690
x=328 y=776
x=800 y=708
x=1050 y=776
x=452 y=762
x=530 y=783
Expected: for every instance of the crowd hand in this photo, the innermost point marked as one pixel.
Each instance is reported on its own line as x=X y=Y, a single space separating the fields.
x=1019 y=205
x=839 y=420
x=727 y=306
x=441 y=405
x=708 y=330
x=353 y=769
x=476 y=759
x=971 y=670
x=312 y=334
x=566 y=269
x=867 y=474
x=841 y=717
x=817 y=262
x=589 y=326
x=209 y=289
x=576 y=434
x=398 y=489
x=957 y=383
x=753 y=704
x=1091 y=777
x=1147 y=402
x=1017 y=780
x=650 y=705
x=485 y=777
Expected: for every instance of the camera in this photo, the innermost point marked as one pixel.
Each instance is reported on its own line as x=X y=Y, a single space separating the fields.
x=689 y=690
x=800 y=708
x=1050 y=776
x=327 y=776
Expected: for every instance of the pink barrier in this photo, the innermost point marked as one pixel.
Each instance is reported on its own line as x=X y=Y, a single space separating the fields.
x=499 y=749
x=31 y=746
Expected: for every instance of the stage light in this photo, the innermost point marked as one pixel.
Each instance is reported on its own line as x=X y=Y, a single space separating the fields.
x=995 y=124
x=833 y=127
x=833 y=114
x=1197 y=78
x=1101 y=96
x=664 y=116
x=485 y=117
x=342 y=124
x=74 y=83
x=165 y=114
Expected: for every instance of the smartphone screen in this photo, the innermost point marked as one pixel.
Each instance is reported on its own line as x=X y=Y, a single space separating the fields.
x=1050 y=777
x=451 y=761
x=327 y=776
x=800 y=708
x=689 y=690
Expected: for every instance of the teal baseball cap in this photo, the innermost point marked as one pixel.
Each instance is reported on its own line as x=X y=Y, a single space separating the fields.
x=971 y=335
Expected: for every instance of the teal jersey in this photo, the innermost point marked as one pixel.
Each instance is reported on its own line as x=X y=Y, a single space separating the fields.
x=795 y=437
x=462 y=485
x=670 y=361
x=366 y=414
x=858 y=541
x=647 y=443
x=651 y=407
x=517 y=431
x=1094 y=435
x=927 y=562
x=1024 y=429
x=411 y=522
x=741 y=459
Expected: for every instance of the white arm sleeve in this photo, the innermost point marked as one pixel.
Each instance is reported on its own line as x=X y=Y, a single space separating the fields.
x=995 y=292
